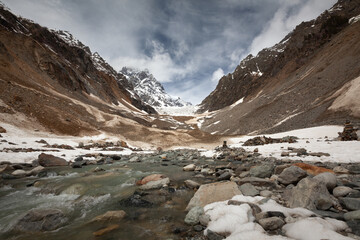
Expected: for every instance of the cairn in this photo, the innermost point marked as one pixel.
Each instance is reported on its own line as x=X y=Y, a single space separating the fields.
x=349 y=132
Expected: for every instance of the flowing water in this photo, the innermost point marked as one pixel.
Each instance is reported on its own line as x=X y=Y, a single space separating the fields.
x=83 y=195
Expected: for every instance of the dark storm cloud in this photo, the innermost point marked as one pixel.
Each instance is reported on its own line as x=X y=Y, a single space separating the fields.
x=186 y=44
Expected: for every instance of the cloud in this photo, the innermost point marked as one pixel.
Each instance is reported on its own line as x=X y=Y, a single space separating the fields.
x=217 y=75
x=285 y=19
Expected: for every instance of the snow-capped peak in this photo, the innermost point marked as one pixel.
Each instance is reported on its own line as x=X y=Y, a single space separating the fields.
x=150 y=90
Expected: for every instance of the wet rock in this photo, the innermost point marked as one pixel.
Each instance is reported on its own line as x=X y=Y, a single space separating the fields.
x=152 y=177
x=75 y=189
x=350 y=203
x=190 y=167
x=213 y=192
x=341 y=191
x=155 y=184
x=308 y=193
x=47 y=160
x=106 y=230
x=135 y=159
x=248 y=189
x=7 y=176
x=328 y=178
x=19 y=173
x=37 y=220
x=262 y=171
x=97 y=169
x=36 y=170
x=191 y=184
x=135 y=201
x=79 y=159
x=207 y=171
x=110 y=216
x=271 y=223
x=77 y=164
x=5 y=167
x=311 y=169
x=354 y=215
x=260 y=182
x=213 y=235
x=192 y=217
x=291 y=174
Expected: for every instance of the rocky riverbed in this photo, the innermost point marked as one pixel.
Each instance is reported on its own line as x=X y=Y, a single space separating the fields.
x=169 y=195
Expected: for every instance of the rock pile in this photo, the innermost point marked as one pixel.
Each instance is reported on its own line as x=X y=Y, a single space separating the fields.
x=349 y=132
x=268 y=140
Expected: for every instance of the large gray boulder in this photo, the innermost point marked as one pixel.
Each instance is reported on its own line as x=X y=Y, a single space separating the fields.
x=38 y=220
x=248 y=189
x=213 y=192
x=350 y=203
x=328 y=178
x=48 y=160
x=263 y=171
x=291 y=175
x=310 y=193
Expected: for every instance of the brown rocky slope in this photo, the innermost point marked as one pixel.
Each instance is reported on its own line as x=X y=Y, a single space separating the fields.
x=295 y=83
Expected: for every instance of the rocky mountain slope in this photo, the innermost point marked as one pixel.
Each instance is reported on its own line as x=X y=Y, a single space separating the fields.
x=307 y=79
x=50 y=81
x=149 y=89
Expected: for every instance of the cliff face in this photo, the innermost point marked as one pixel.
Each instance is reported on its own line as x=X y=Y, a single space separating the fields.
x=52 y=77
x=295 y=79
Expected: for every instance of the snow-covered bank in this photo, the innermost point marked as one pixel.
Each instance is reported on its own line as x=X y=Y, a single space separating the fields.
x=178 y=111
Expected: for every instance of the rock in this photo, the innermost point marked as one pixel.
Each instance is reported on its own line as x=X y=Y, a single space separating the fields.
x=339 y=216
x=190 y=167
x=7 y=176
x=354 y=215
x=75 y=189
x=204 y=219
x=266 y=193
x=255 y=208
x=244 y=174
x=135 y=159
x=224 y=176
x=36 y=170
x=260 y=182
x=350 y=203
x=77 y=165
x=355 y=226
x=248 y=189
x=135 y=201
x=291 y=174
x=41 y=220
x=106 y=230
x=262 y=171
x=213 y=235
x=79 y=159
x=2 y=130
x=342 y=191
x=311 y=169
x=155 y=184
x=328 y=178
x=307 y=193
x=285 y=154
x=271 y=223
x=47 y=160
x=19 y=173
x=191 y=184
x=152 y=177
x=5 y=167
x=110 y=216
x=340 y=170
x=192 y=218
x=213 y=192
x=279 y=168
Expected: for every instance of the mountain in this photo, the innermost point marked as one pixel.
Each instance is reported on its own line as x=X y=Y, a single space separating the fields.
x=52 y=82
x=150 y=90
x=308 y=79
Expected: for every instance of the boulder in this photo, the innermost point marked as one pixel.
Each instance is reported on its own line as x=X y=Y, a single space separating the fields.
x=36 y=170
x=248 y=189
x=190 y=167
x=19 y=173
x=37 y=220
x=354 y=215
x=213 y=192
x=155 y=184
x=110 y=216
x=191 y=184
x=350 y=203
x=271 y=223
x=48 y=160
x=309 y=193
x=342 y=191
x=340 y=170
x=263 y=171
x=192 y=218
x=152 y=177
x=224 y=176
x=328 y=178
x=291 y=175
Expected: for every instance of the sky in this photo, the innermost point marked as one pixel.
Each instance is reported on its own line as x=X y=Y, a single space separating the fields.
x=188 y=45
